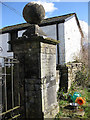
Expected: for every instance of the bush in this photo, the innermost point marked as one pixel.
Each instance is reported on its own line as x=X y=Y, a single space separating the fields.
x=82 y=76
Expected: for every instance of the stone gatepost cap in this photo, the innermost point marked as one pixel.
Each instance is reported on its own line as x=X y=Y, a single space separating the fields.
x=33 y=30
x=33 y=13
x=44 y=39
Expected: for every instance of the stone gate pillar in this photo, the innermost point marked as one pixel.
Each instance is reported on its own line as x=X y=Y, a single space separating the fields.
x=37 y=71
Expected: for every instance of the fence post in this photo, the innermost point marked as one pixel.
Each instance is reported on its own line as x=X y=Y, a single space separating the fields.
x=37 y=71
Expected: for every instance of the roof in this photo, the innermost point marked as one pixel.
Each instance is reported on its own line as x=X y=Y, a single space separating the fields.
x=48 y=21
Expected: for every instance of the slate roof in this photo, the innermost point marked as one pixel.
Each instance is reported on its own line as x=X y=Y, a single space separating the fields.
x=48 y=21
x=57 y=19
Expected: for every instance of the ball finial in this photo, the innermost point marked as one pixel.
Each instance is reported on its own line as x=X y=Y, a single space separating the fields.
x=33 y=13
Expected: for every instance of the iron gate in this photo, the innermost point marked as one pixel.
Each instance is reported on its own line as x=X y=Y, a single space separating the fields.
x=9 y=89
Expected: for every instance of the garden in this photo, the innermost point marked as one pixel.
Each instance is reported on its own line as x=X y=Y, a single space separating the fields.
x=75 y=104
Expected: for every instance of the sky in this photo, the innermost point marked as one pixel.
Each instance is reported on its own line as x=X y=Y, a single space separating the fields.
x=11 y=12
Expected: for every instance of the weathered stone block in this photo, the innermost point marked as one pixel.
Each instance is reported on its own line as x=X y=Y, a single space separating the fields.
x=37 y=69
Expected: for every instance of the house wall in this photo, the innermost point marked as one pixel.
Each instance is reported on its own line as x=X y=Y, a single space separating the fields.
x=68 y=34
x=4 y=38
x=0 y=91
x=72 y=39
x=20 y=33
x=50 y=31
x=1 y=44
x=62 y=43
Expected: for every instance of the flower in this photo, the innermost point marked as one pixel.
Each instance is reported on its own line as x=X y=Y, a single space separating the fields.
x=80 y=100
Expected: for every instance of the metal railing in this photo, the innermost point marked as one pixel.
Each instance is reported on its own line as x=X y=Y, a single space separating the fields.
x=8 y=106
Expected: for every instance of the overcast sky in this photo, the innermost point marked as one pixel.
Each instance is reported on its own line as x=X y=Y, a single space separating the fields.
x=12 y=11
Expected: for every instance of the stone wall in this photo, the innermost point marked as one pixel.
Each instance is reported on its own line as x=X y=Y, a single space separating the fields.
x=67 y=74
x=63 y=77
x=72 y=69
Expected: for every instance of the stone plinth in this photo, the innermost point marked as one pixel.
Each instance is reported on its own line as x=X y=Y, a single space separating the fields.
x=37 y=70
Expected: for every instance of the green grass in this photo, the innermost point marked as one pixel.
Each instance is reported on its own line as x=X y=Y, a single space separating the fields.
x=70 y=113
x=81 y=85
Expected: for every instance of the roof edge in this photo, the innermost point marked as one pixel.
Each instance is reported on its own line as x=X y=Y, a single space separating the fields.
x=25 y=25
x=79 y=25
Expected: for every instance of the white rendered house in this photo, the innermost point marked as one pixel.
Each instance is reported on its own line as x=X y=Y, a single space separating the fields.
x=65 y=28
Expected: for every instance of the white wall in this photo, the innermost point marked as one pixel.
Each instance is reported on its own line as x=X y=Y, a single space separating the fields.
x=1 y=47
x=20 y=33
x=69 y=36
x=3 y=43
x=72 y=39
x=62 y=43
x=50 y=31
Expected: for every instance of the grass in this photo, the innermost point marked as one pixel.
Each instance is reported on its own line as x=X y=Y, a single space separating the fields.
x=86 y=107
x=81 y=85
x=71 y=113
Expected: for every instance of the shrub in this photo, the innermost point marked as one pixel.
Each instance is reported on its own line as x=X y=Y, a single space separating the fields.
x=82 y=76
